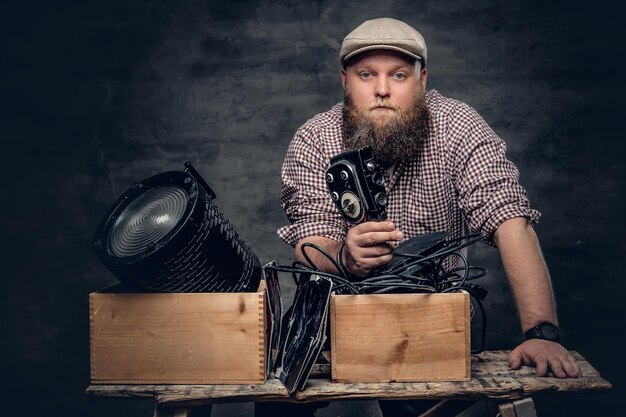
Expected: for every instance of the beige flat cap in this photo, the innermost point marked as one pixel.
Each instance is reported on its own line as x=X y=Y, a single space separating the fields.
x=383 y=33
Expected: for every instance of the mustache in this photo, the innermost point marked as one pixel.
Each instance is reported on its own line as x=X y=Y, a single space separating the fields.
x=382 y=103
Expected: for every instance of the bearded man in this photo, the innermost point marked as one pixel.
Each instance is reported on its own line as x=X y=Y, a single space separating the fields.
x=446 y=170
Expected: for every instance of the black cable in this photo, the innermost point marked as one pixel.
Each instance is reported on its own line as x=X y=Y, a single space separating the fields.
x=323 y=252
x=419 y=273
x=481 y=274
x=334 y=278
x=465 y=268
x=294 y=274
x=309 y=260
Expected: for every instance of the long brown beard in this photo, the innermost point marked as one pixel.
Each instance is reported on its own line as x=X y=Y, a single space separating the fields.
x=398 y=139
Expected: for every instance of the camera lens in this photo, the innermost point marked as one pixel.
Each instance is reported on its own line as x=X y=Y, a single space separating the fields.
x=378 y=178
x=381 y=199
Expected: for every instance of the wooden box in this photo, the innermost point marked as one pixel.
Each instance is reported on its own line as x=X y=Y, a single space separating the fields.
x=400 y=337
x=178 y=338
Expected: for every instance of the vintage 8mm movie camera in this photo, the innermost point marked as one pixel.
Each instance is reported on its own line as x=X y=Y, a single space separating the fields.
x=357 y=185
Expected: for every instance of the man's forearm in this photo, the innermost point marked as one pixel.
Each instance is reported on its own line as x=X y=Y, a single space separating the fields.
x=330 y=246
x=526 y=271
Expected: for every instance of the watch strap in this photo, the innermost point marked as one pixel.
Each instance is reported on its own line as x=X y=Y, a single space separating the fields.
x=545 y=331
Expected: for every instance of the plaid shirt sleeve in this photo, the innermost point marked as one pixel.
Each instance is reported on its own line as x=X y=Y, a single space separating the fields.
x=487 y=182
x=304 y=194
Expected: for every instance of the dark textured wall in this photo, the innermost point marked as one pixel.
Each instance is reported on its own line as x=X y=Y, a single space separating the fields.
x=98 y=94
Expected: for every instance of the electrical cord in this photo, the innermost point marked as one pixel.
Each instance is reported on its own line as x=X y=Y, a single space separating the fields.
x=416 y=273
x=336 y=264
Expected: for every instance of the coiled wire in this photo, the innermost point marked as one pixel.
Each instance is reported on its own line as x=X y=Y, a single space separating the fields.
x=414 y=274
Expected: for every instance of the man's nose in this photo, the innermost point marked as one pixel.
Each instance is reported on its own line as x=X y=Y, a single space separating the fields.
x=382 y=87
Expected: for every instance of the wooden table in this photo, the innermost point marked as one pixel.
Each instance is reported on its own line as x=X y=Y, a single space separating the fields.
x=491 y=379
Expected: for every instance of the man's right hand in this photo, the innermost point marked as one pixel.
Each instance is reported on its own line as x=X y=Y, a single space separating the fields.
x=367 y=246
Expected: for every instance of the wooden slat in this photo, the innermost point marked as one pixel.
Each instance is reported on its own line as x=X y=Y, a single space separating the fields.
x=177 y=338
x=400 y=337
x=525 y=408
x=491 y=378
x=507 y=410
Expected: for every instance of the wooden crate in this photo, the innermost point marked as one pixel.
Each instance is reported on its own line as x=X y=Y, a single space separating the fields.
x=400 y=337
x=178 y=338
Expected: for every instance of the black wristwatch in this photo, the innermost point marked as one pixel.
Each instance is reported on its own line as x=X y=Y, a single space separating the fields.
x=546 y=331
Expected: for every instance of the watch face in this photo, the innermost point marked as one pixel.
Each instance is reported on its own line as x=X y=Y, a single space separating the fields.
x=549 y=332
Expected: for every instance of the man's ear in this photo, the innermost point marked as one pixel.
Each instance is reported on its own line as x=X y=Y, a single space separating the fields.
x=423 y=77
x=344 y=77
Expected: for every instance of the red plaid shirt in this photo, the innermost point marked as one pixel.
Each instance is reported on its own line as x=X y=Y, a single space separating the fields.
x=462 y=181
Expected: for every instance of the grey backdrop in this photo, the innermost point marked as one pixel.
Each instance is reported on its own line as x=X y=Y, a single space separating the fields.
x=98 y=94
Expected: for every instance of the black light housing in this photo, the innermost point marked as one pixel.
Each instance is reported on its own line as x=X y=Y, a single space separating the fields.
x=165 y=234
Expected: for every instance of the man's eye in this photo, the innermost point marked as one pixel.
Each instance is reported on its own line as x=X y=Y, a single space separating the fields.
x=399 y=76
x=366 y=75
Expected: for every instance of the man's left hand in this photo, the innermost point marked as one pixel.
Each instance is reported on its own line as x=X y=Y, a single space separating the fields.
x=545 y=356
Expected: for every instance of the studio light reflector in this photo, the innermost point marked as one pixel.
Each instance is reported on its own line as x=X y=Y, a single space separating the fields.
x=165 y=234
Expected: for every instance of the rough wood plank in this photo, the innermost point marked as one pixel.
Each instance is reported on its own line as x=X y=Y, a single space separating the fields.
x=204 y=338
x=507 y=410
x=525 y=408
x=492 y=378
x=400 y=337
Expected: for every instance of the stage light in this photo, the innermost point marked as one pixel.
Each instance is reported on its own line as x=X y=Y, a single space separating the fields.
x=166 y=234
